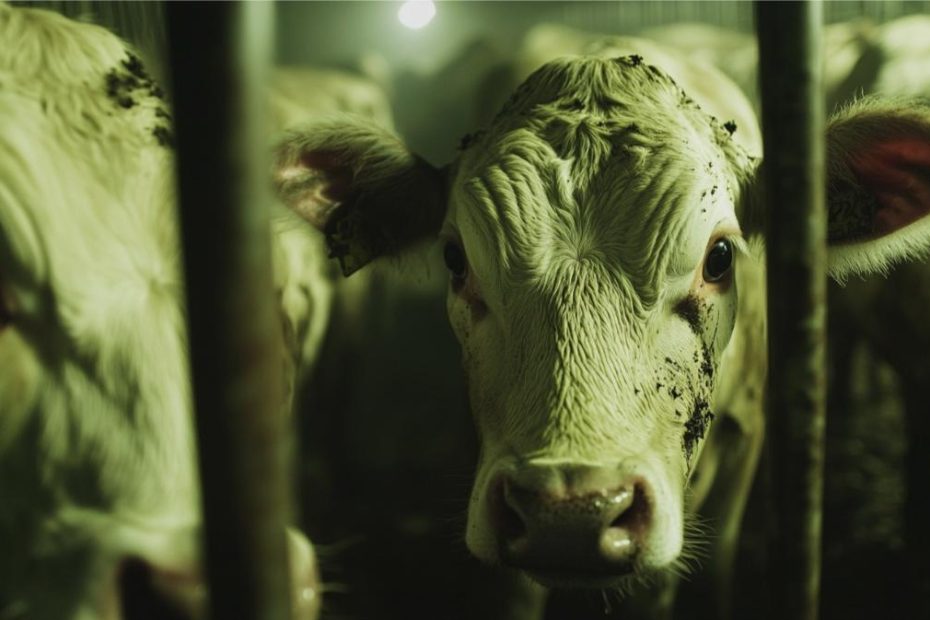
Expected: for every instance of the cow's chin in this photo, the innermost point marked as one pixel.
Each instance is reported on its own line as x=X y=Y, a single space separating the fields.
x=587 y=581
x=621 y=580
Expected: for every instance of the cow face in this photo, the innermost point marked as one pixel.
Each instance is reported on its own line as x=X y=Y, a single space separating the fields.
x=594 y=237
x=591 y=238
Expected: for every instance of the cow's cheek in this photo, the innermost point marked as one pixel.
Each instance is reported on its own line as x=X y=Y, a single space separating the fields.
x=459 y=318
x=724 y=320
x=482 y=360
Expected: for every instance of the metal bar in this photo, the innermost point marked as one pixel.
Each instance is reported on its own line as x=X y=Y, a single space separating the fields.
x=793 y=129
x=219 y=55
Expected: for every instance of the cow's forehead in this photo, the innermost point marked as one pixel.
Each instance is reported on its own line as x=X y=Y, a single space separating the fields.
x=596 y=159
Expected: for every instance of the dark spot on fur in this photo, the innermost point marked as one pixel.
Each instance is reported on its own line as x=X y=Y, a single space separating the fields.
x=113 y=82
x=696 y=426
x=128 y=85
x=713 y=190
x=674 y=392
x=133 y=64
x=730 y=126
x=707 y=366
x=635 y=60
x=689 y=309
x=129 y=81
x=164 y=136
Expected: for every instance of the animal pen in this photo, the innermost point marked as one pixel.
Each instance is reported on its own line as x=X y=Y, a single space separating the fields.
x=379 y=478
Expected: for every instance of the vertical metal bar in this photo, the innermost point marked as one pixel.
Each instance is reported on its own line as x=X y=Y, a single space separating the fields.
x=219 y=54
x=793 y=129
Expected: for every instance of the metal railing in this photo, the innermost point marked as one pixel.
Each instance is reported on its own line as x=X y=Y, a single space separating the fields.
x=790 y=60
x=219 y=54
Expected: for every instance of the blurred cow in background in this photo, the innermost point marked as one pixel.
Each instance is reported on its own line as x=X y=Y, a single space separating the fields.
x=100 y=514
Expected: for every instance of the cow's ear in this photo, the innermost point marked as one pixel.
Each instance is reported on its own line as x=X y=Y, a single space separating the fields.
x=878 y=185
x=360 y=185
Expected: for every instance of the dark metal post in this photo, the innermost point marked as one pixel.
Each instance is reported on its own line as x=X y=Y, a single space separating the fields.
x=219 y=54
x=793 y=129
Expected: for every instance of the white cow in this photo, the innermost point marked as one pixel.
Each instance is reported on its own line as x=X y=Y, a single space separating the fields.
x=602 y=238
x=97 y=469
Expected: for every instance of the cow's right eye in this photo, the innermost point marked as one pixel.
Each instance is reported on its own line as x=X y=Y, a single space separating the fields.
x=454 y=256
x=718 y=262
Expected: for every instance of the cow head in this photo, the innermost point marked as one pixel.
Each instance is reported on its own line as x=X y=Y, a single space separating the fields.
x=593 y=234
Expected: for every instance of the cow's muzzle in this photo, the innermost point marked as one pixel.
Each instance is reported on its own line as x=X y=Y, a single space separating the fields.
x=571 y=525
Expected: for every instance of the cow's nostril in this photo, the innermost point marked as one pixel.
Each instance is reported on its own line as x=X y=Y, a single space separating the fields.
x=635 y=516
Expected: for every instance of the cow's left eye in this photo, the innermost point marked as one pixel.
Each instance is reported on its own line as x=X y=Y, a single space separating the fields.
x=454 y=256
x=718 y=261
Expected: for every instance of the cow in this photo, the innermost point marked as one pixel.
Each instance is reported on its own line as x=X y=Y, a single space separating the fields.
x=603 y=241
x=100 y=500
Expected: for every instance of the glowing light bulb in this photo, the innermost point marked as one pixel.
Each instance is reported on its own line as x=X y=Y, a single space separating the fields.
x=416 y=13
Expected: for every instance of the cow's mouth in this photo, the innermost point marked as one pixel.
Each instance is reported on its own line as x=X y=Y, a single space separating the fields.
x=580 y=580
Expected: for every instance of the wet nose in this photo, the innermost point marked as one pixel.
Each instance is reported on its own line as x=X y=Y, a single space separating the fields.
x=571 y=519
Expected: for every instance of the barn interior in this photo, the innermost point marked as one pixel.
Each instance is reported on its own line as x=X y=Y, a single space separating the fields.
x=386 y=446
